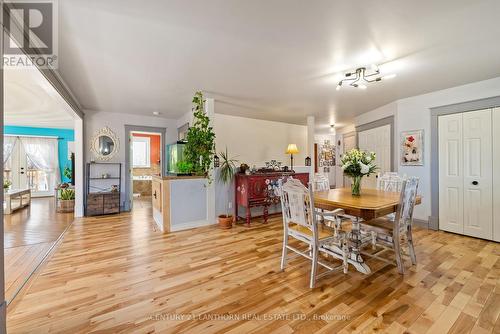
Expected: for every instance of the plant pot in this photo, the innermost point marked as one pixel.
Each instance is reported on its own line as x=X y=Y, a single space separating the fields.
x=225 y=222
x=66 y=205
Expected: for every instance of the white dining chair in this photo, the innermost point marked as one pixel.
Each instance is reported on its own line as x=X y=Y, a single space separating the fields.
x=300 y=223
x=335 y=218
x=390 y=181
x=321 y=182
x=390 y=232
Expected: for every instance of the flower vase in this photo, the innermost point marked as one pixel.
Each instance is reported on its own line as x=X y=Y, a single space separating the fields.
x=356 y=186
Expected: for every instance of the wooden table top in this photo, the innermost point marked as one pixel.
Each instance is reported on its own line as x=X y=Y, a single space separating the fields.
x=371 y=204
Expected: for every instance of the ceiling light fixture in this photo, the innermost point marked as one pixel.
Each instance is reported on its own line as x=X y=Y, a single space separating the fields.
x=362 y=76
x=156 y=113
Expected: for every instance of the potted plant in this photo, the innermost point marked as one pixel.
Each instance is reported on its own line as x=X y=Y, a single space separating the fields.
x=184 y=167
x=357 y=164
x=200 y=146
x=66 y=200
x=6 y=185
x=226 y=175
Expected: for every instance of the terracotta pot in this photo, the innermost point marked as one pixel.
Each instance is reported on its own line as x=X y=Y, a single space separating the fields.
x=66 y=206
x=225 y=222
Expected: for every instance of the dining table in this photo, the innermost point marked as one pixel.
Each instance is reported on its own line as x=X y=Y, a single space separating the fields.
x=370 y=204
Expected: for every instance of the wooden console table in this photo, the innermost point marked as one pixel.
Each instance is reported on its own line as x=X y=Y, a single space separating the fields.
x=14 y=195
x=252 y=190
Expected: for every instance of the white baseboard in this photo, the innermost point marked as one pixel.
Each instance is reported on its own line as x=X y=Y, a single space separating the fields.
x=158 y=217
x=190 y=225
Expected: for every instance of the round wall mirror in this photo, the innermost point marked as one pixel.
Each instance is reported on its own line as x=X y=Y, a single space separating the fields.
x=104 y=144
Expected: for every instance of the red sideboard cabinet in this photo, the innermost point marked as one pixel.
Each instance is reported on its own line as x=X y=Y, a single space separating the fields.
x=252 y=191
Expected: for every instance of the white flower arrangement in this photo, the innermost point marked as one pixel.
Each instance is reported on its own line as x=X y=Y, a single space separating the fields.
x=357 y=163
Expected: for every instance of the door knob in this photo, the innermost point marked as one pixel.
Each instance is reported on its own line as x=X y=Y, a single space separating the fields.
x=475 y=183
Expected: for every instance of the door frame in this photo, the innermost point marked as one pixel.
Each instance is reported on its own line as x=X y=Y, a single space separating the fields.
x=127 y=205
x=456 y=108
x=19 y=160
x=376 y=124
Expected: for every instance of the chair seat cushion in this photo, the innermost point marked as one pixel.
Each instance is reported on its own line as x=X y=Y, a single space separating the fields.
x=322 y=231
x=381 y=225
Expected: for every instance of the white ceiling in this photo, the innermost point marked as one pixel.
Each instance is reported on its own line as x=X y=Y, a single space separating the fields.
x=270 y=59
x=30 y=100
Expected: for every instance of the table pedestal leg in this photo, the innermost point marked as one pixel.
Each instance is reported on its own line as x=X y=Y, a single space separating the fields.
x=355 y=240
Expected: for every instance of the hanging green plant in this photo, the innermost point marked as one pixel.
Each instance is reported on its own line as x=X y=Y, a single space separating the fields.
x=200 y=147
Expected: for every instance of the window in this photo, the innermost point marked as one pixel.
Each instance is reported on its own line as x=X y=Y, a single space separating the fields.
x=141 y=149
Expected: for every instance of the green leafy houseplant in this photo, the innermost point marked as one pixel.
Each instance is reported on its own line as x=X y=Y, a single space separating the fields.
x=200 y=137
x=67 y=194
x=6 y=184
x=66 y=201
x=357 y=164
x=226 y=175
x=184 y=167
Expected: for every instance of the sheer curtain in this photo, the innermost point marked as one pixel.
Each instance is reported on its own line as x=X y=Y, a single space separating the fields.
x=43 y=155
x=8 y=146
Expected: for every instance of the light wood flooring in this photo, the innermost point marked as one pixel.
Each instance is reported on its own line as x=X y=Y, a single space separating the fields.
x=29 y=235
x=116 y=274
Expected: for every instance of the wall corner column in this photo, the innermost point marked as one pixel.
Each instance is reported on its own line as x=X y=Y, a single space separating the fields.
x=310 y=144
x=211 y=214
x=80 y=168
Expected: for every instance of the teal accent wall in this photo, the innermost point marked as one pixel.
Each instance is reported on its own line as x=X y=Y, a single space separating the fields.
x=65 y=135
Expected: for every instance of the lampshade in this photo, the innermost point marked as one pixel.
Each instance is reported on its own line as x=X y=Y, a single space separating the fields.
x=292 y=149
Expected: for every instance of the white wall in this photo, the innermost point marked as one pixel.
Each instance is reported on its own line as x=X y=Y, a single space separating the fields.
x=116 y=122
x=414 y=113
x=255 y=141
x=376 y=114
x=388 y=110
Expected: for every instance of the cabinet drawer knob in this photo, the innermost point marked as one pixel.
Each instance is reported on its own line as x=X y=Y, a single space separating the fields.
x=475 y=183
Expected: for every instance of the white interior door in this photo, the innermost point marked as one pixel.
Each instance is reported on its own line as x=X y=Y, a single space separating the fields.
x=465 y=173
x=478 y=191
x=377 y=140
x=451 y=200
x=23 y=173
x=496 y=176
x=17 y=165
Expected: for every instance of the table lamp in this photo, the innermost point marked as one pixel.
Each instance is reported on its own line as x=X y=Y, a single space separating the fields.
x=292 y=149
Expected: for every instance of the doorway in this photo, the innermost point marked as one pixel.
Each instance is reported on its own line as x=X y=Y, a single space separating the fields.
x=377 y=140
x=144 y=159
x=32 y=162
x=467 y=196
x=146 y=163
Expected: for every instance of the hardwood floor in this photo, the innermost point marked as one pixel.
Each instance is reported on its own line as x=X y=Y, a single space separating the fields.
x=117 y=274
x=29 y=235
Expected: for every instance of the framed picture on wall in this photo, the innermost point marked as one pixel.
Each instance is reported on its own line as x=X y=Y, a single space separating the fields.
x=412 y=148
x=182 y=132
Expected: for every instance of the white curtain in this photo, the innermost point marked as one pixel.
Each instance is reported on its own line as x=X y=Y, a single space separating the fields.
x=43 y=154
x=8 y=146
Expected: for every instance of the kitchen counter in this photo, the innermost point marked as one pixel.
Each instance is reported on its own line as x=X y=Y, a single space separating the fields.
x=179 y=202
